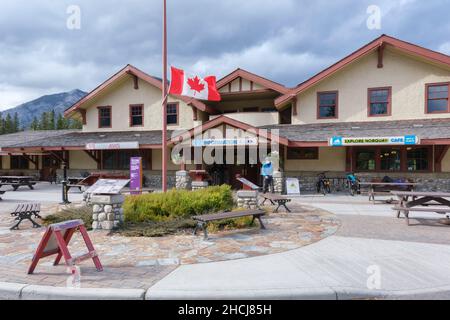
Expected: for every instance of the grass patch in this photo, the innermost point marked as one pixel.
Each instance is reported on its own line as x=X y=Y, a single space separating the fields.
x=83 y=213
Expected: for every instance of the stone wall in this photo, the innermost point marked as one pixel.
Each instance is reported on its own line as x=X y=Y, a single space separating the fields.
x=429 y=181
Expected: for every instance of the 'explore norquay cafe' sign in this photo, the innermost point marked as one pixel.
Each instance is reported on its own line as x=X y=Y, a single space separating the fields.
x=368 y=141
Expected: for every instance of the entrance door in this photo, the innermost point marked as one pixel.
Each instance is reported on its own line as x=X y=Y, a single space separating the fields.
x=49 y=167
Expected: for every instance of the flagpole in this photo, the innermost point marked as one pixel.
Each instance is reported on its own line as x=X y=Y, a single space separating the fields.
x=164 y=101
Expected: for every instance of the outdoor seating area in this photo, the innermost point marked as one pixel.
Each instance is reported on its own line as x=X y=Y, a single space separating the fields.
x=377 y=187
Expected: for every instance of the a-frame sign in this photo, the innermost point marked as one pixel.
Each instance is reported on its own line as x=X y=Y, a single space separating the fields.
x=55 y=242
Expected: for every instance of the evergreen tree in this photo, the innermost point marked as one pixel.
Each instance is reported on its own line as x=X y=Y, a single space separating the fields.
x=61 y=123
x=51 y=120
x=34 y=124
x=16 y=123
x=2 y=125
x=43 y=125
x=8 y=124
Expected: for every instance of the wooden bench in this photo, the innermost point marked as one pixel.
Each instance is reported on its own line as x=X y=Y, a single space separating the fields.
x=25 y=212
x=70 y=186
x=203 y=220
x=17 y=185
x=276 y=200
x=385 y=188
x=1 y=193
x=419 y=209
x=144 y=190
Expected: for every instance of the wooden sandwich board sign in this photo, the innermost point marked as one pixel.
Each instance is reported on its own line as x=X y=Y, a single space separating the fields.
x=55 y=241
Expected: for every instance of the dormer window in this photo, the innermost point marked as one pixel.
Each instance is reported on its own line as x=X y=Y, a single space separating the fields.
x=172 y=114
x=136 y=115
x=104 y=117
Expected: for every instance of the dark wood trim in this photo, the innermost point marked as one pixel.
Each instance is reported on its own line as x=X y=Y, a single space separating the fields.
x=439 y=154
x=349 y=159
x=31 y=159
x=83 y=116
x=336 y=111
x=294 y=106
x=369 y=102
x=380 y=51
x=427 y=85
x=136 y=82
x=110 y=114
x=131 y=106
x=194 y=114
x=240 y=84
x=251 y=85
x=93 y=155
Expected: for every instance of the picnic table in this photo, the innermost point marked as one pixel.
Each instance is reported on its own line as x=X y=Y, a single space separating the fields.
x=422 y=202
x=17 y=181
x=75 y=182
x=203 y=220
x=385 y=188
x=1 y=193
x=276 y=200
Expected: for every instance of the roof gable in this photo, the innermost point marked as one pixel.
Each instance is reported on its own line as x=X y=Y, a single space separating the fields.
x=253 y=78
x=377 y=44
x=131 y=70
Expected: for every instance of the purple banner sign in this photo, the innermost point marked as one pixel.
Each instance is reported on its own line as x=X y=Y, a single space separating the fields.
x=136 y=175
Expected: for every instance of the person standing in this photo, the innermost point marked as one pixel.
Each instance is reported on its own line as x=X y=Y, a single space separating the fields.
x=267 y=174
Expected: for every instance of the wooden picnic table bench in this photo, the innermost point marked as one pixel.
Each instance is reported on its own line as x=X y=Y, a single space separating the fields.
x=385 y=188
x=25 y=212
x=276 y=200
x=421 y=202
x=1 y=193
x=17 y=181
x=143 y=190
x=203 y=220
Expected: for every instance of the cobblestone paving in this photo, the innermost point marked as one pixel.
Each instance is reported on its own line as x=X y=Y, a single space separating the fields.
x=140 y=262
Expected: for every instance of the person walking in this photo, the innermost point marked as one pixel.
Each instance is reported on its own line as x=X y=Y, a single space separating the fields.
x=267 y=174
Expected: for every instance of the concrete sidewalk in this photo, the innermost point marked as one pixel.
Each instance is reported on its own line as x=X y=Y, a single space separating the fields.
x=335 y=268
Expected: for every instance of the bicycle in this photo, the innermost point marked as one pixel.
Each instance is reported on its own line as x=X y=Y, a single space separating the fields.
x=323 y=184
x=352 y=184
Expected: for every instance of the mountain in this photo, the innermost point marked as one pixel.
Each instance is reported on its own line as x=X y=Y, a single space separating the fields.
x=58 y=102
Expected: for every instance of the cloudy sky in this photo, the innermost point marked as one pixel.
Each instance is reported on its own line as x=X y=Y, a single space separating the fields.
x=285 y=40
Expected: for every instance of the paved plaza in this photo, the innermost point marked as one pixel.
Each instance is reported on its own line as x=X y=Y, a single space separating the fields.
x=328 y=249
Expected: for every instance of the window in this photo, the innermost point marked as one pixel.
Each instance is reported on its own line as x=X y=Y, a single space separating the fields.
x=252 y=109
x=327 y=105
x=380 y=102
x=172 y=113
x=19 y=162
x=437 y=98
x=390 y=159
x=136 y=115
x=365 y=160
x=104 y=117
x=395 y=159
x=269 y=109
x=303 y=153
x=418 y=159
x=120 y=159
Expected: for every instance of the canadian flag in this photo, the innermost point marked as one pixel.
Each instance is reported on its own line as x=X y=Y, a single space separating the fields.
x=193 y=86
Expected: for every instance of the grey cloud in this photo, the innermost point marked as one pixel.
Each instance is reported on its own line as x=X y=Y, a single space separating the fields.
x=286 y=40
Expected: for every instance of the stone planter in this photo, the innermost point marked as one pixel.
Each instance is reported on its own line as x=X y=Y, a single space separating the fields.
x=247 y=199
x=183 y=180
x=108 y=211
x=278 y=182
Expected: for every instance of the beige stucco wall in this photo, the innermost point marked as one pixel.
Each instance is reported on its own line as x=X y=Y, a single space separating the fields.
x=330 y=159
x=406 y=75
x=256 y=119
x=80 y=160
x=5 y=162
x=121 y=94
x=446 y=162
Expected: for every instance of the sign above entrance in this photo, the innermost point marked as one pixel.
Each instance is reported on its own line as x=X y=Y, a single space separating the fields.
x=112 y=146
x=225 y=142
x=367 y=141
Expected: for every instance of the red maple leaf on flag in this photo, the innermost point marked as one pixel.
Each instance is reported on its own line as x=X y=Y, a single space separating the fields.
x=195 y=84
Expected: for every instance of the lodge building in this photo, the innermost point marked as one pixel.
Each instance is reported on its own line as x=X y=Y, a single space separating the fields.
x=382 y=110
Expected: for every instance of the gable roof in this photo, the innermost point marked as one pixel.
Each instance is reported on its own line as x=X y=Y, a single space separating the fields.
x=368 y=48
x=232 y=122
x=241 y=73
x=131 y=70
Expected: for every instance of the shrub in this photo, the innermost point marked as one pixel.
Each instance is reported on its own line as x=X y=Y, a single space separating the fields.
x=177 y=204
x=83 y=213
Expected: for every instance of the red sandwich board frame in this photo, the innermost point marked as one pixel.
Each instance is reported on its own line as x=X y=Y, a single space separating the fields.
x=55 y=242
